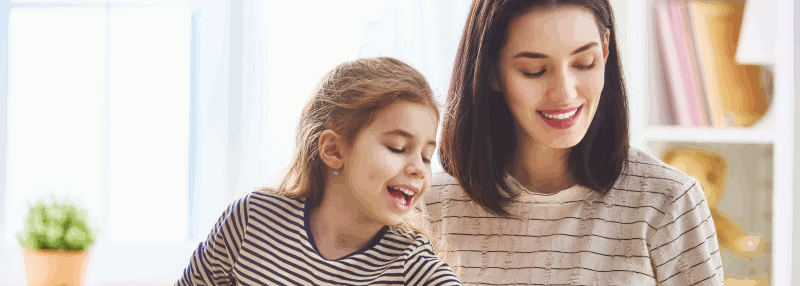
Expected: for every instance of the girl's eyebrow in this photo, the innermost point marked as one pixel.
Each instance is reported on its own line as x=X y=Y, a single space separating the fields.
x=404 y=133
x=542 y=56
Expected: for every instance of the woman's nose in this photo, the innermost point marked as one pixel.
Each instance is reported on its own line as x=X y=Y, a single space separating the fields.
x=563 y=86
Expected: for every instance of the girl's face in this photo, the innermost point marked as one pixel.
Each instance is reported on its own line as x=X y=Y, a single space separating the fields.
x=550 y=71
x=388 y=166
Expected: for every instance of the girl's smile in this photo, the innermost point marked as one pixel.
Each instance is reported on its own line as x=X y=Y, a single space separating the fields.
x=402 y=196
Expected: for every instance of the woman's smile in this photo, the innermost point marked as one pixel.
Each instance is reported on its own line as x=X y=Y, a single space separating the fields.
x=561 y=118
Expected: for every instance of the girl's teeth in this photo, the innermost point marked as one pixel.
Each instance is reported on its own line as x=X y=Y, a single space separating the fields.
x=402 y=201
x=404 y=191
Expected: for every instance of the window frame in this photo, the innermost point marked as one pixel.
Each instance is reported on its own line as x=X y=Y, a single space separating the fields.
x=171 y=255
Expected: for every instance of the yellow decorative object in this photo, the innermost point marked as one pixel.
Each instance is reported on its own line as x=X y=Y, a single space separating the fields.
x=736 y=94
x=711 y=171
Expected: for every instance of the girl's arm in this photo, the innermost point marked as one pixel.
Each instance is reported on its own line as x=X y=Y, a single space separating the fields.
x=423 y=267
x=212 y=263
x=442 y=275
x=683 y=248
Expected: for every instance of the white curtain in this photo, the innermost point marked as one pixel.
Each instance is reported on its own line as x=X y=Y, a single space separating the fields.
x=231 y=82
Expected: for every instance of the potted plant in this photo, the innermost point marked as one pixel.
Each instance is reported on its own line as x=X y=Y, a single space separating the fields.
x=56 y=236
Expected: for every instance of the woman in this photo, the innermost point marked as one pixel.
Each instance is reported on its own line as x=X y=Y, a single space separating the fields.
x=541 y=185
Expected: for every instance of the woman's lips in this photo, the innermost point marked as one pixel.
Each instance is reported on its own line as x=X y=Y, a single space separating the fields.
x=558 y=122
x=559 y=111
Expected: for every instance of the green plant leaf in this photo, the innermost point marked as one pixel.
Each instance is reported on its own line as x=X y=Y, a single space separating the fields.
x=76 y=238
x=52 y=224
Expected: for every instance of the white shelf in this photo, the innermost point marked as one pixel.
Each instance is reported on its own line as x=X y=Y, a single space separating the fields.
x=639 y=57
x=708 y=135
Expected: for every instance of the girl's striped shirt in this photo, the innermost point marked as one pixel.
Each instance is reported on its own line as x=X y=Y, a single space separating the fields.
x=264 y=239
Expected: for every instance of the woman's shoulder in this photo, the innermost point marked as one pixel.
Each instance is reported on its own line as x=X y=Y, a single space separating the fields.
x=443 y=179
x=644 y=172
x=444 y=187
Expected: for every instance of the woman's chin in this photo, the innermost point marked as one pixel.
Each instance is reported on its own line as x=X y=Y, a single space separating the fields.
x=567 y=139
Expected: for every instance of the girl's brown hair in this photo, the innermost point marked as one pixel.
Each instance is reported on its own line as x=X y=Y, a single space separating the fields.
x=346 y=100
x=477 y=134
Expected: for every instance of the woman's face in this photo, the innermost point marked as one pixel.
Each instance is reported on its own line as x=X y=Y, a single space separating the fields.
x=551 y=71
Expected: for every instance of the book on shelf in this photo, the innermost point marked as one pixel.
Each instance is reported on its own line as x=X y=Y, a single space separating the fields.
x=696 y=87
x=678 y=110
x=704 y=84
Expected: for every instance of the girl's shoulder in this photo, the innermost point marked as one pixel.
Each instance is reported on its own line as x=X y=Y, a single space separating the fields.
x=267 y=199
x=400 y=237
x=414 y=243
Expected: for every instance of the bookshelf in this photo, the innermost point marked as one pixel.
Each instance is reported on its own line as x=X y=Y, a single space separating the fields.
x=653 y=131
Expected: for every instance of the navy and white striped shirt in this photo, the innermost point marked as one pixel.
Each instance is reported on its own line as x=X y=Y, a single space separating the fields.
x=264 y=239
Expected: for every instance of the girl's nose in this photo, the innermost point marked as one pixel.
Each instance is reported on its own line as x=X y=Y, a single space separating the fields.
x=415 y=168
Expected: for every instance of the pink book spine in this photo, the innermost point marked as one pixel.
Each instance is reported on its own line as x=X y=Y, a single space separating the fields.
x=669 y=65
x=684 y=65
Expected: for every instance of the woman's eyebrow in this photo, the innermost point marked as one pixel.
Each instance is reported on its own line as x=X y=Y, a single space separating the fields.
x=542 y=56
x=585 y=47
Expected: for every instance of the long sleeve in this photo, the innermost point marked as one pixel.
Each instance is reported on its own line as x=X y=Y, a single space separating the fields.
x=423 y=267
x=443 y=275
x=683 y=247
x=213 y=261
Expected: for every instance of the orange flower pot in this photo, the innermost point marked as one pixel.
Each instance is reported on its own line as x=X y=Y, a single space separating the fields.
x=55 y=267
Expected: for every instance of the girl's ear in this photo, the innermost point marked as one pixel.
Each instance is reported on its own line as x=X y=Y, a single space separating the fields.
x=331 y=148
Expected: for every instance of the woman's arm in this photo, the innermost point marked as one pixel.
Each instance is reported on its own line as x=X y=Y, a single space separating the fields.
x=212 y=263
x=684 y=249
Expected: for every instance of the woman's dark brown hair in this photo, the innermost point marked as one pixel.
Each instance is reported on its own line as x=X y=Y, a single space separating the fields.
x=478 y=139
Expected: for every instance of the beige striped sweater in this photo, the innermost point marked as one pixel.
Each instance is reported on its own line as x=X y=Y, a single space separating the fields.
x=653 y=228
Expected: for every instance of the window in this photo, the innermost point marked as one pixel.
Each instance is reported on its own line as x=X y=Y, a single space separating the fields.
x=99 y=111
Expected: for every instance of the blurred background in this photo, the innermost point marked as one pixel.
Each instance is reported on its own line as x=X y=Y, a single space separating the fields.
x=154 y=114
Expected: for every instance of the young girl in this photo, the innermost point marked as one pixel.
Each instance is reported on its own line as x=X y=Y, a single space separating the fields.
x=542 y=187
x=341 y=214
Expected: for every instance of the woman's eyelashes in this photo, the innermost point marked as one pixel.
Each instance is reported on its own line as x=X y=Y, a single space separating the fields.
x=585 y=67
x=541 y=72
x=534 y=75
